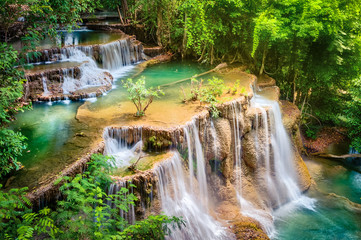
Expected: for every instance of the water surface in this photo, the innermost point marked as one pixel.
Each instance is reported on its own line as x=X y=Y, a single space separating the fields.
x=336 y=215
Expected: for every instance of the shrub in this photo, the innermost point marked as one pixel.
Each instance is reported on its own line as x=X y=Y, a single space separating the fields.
x=140 y=96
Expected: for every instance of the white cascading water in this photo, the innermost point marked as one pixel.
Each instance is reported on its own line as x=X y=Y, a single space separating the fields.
x=280 y=176
x=116 y=146
x=237 y=120
x=117 y=57
x=178 y=200
x=116 y=54
x=119 y=54
x=215 y=139
x=195 y=146
x=45 y=86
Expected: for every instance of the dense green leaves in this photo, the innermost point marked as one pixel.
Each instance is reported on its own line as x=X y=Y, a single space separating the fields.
x=141 y=96
x=11 y=93
x=85 y=212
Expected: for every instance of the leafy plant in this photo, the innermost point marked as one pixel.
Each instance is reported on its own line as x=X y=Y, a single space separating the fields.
x=11 y=102
x=353 y=114
x=207 y=93
x=140 y=96
x=235 y=87
x=13 y=206
x=155 y=227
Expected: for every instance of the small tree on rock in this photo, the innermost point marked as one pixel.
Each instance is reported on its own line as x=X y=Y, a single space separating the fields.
x=140 y=95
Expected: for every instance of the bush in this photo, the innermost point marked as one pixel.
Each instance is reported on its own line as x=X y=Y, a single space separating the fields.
x=140 y=96
x=206 y=93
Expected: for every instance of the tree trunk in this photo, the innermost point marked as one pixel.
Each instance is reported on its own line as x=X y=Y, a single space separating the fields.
x=159 y=26
x=263 y=61
x=120 y=15
x=184 y=36
x=125 y=9
x=294 y=89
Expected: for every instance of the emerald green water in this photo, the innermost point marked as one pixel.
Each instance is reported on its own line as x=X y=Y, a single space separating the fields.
x=47 y=128
x=53 y=131
x=334 y=216
x=154 y=76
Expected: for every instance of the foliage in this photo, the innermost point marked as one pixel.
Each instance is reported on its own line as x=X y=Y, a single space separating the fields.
x=11 y=87
x=140 y=96
x=13 y=206
x=353 y=114
x=85 y=212
x=68 y=13
x=38 y=223
x=11 y=147
x=206 y=93
x=155 y=227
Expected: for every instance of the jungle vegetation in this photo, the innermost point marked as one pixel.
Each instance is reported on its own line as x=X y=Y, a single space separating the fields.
x=311 y=47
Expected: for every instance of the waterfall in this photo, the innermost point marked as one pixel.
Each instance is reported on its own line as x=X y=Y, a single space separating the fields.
x=116 y=145
x=275 y=155
x=90 y=74
x=237 y=119
x=177 y=200
x=115 y=188
x=45 y=86
x=118 y=54
x=215 y=139
x=194 y=145
x=280 y=175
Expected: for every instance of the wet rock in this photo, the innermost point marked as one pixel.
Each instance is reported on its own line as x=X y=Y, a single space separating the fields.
x=224 y=134
x=304 y=177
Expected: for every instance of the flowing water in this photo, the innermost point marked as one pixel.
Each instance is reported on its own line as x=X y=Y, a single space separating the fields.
x=117 y=147
x=335 y=217
x=45 y=86
x=275 y=155
x=177 y=199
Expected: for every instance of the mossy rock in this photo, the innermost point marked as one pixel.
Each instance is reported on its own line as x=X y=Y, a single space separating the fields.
x=248 y=230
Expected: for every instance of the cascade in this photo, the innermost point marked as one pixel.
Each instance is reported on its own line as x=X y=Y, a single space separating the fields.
x=194 y=145
x=275 y=156
x=280 y=175
x=116 y=145
x=237 y=120
x=118 y=54
x=213 y=133
x=90 y=76
x=177 y=200
x=45 y=86
x=116 y=187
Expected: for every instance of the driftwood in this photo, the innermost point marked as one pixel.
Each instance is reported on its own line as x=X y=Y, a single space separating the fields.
x=134 y=165
x=325 y=155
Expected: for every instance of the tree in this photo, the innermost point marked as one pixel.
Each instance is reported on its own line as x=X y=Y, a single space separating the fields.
x=140 y=96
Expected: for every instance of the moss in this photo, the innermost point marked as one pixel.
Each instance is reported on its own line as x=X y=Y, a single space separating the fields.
x=144 y=164
x=248 y=230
